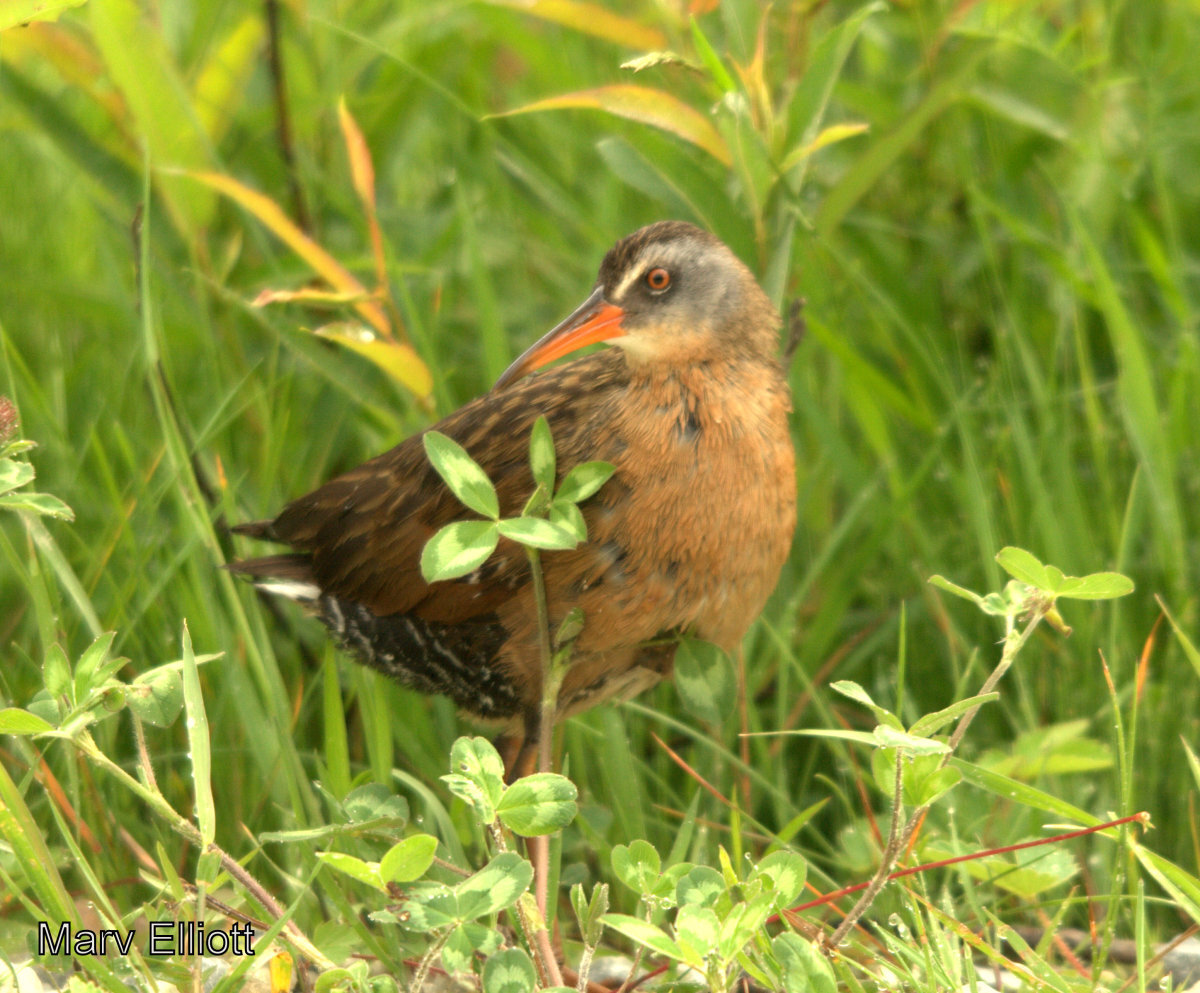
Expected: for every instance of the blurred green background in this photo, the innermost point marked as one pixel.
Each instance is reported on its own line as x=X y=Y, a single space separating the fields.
x=991 y=209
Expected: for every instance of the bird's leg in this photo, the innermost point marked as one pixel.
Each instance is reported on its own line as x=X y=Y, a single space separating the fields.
x=543 y=720
x=518 y=746
x=519 y=753
x=510 y=745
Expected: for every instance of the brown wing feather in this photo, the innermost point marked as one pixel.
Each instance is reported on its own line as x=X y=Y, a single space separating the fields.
x=365 y=530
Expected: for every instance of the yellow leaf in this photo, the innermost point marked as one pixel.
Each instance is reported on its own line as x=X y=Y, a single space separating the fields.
x=221 y=84
x=590 y=18
x=362 y=173
x=399 y=361
x=280 y=968
x=16 y=13
x=307 y=294
x=829 y=136
x=324 y=264
x=642 y=104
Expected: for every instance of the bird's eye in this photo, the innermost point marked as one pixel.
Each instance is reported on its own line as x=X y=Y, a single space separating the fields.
x=658 y=279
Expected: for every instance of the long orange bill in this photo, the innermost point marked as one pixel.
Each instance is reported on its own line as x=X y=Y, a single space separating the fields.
x=594 y=320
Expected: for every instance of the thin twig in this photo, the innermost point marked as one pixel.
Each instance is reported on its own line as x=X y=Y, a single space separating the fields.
x=427 y=961
x=283 y=115
x=181 y=825
x=1013 y=643
x=797 y=327
x=539 y=846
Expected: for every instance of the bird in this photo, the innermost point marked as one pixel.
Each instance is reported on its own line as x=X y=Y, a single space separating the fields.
x=690 y=405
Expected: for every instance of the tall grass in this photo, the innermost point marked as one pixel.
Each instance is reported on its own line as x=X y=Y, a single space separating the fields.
x=1001 y=298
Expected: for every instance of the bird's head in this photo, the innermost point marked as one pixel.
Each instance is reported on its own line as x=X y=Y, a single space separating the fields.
x=668 y=292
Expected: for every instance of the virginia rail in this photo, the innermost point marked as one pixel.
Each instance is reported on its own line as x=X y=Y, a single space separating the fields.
x=688 y=535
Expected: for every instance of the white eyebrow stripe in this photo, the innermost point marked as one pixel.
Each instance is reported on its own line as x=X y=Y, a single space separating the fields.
x=631 y=277
x=669 y=256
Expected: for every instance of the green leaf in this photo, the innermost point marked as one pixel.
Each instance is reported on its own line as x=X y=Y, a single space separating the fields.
x=13 y=720
x=538 y=804
x=712 y=61
x=509 y=971
x=637 y=865
x=662 y=893
x=1013 y=791
x=1008 y=603
x=56 y=672
x=1096 y=586
x=477 y=757
x=645 y=933
x=42 y=504
x=541 y=454
x=478 y=777
x=805 y=970
x=1024 y=566
x=566 y=515
x=458 y=549
x=589 y=912
x=338 y=942
x=336 y=980
x=696 y=931
x=496 y=885
x=199 y=743
x=1182 y=885
x=1035 y=871
x=851 y=690
x=788 y=872
x=742 y=924
x=1007 y=104
x=705 y=680
x=18 y=446
x=355 y=868
x=157 y=696
x=408 y=860
x=925 y=780
x=570 y=628
x=459 y=950
x=372 y=802
x=14 y=474
x=701 y=886
x=462 y=474
x=942 y=583
x=1193 y=761
x=910 y=744
x=932 y=723
x=584 y=480
x=429 y=907
x=1190 y=651
x=536 y=532
x=859 y=737
x=94 y=666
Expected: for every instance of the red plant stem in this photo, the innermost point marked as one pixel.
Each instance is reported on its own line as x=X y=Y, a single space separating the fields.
x=1142 y=817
